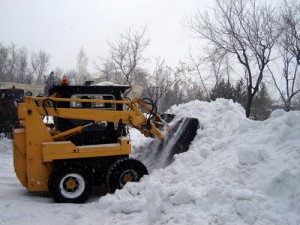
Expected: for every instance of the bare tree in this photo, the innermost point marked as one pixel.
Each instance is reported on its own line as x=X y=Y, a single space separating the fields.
x=126 y=53
x=82 y=64
x=243 y=28
x=291 y=24
x=160 y=81
x=194 y=91
x=107 y=70
x=197 y=62
x=3 y=61
x=39 y=64
x=289 y=50
x=72 y=76
x=23 y=74
x=59 y=72
x=140 y=77
x=11 y=63
x=15 y=65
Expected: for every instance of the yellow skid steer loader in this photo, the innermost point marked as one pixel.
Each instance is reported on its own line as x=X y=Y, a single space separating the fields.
x=87 y=144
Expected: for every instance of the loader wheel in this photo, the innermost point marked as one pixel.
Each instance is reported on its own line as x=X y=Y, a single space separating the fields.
x=71 y=182
x=123 y=171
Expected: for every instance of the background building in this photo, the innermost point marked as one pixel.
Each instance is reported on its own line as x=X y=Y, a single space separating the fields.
x=34 y=89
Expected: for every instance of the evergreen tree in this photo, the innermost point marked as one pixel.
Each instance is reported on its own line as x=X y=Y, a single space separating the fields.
x=261 y=104
x=240 y=93
x=222 y=90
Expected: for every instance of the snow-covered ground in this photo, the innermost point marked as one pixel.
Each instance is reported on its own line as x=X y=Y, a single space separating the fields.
x=236 y=172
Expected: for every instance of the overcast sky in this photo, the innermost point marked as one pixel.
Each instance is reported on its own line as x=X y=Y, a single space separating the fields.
x=62 y=27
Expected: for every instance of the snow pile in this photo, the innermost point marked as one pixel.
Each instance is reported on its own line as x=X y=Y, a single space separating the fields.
x=237 y=171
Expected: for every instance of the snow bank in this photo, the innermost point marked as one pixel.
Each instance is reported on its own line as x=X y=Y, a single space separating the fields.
x=236 y=172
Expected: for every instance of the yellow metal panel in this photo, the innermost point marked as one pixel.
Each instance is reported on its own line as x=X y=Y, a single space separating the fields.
x=36 y=133
x=67 y=150
x=20 y=156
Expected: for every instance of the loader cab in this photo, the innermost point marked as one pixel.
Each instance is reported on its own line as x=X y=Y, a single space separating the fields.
x=101 y=133
x=94 y=105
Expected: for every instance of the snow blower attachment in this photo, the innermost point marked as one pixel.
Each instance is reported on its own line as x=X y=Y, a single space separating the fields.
x=87 y=145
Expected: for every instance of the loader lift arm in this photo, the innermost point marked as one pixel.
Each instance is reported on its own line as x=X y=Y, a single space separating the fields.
x=133 y=116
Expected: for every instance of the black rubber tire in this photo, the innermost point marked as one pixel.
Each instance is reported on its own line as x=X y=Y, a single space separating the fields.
x=77 y=176
x=123 y=171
